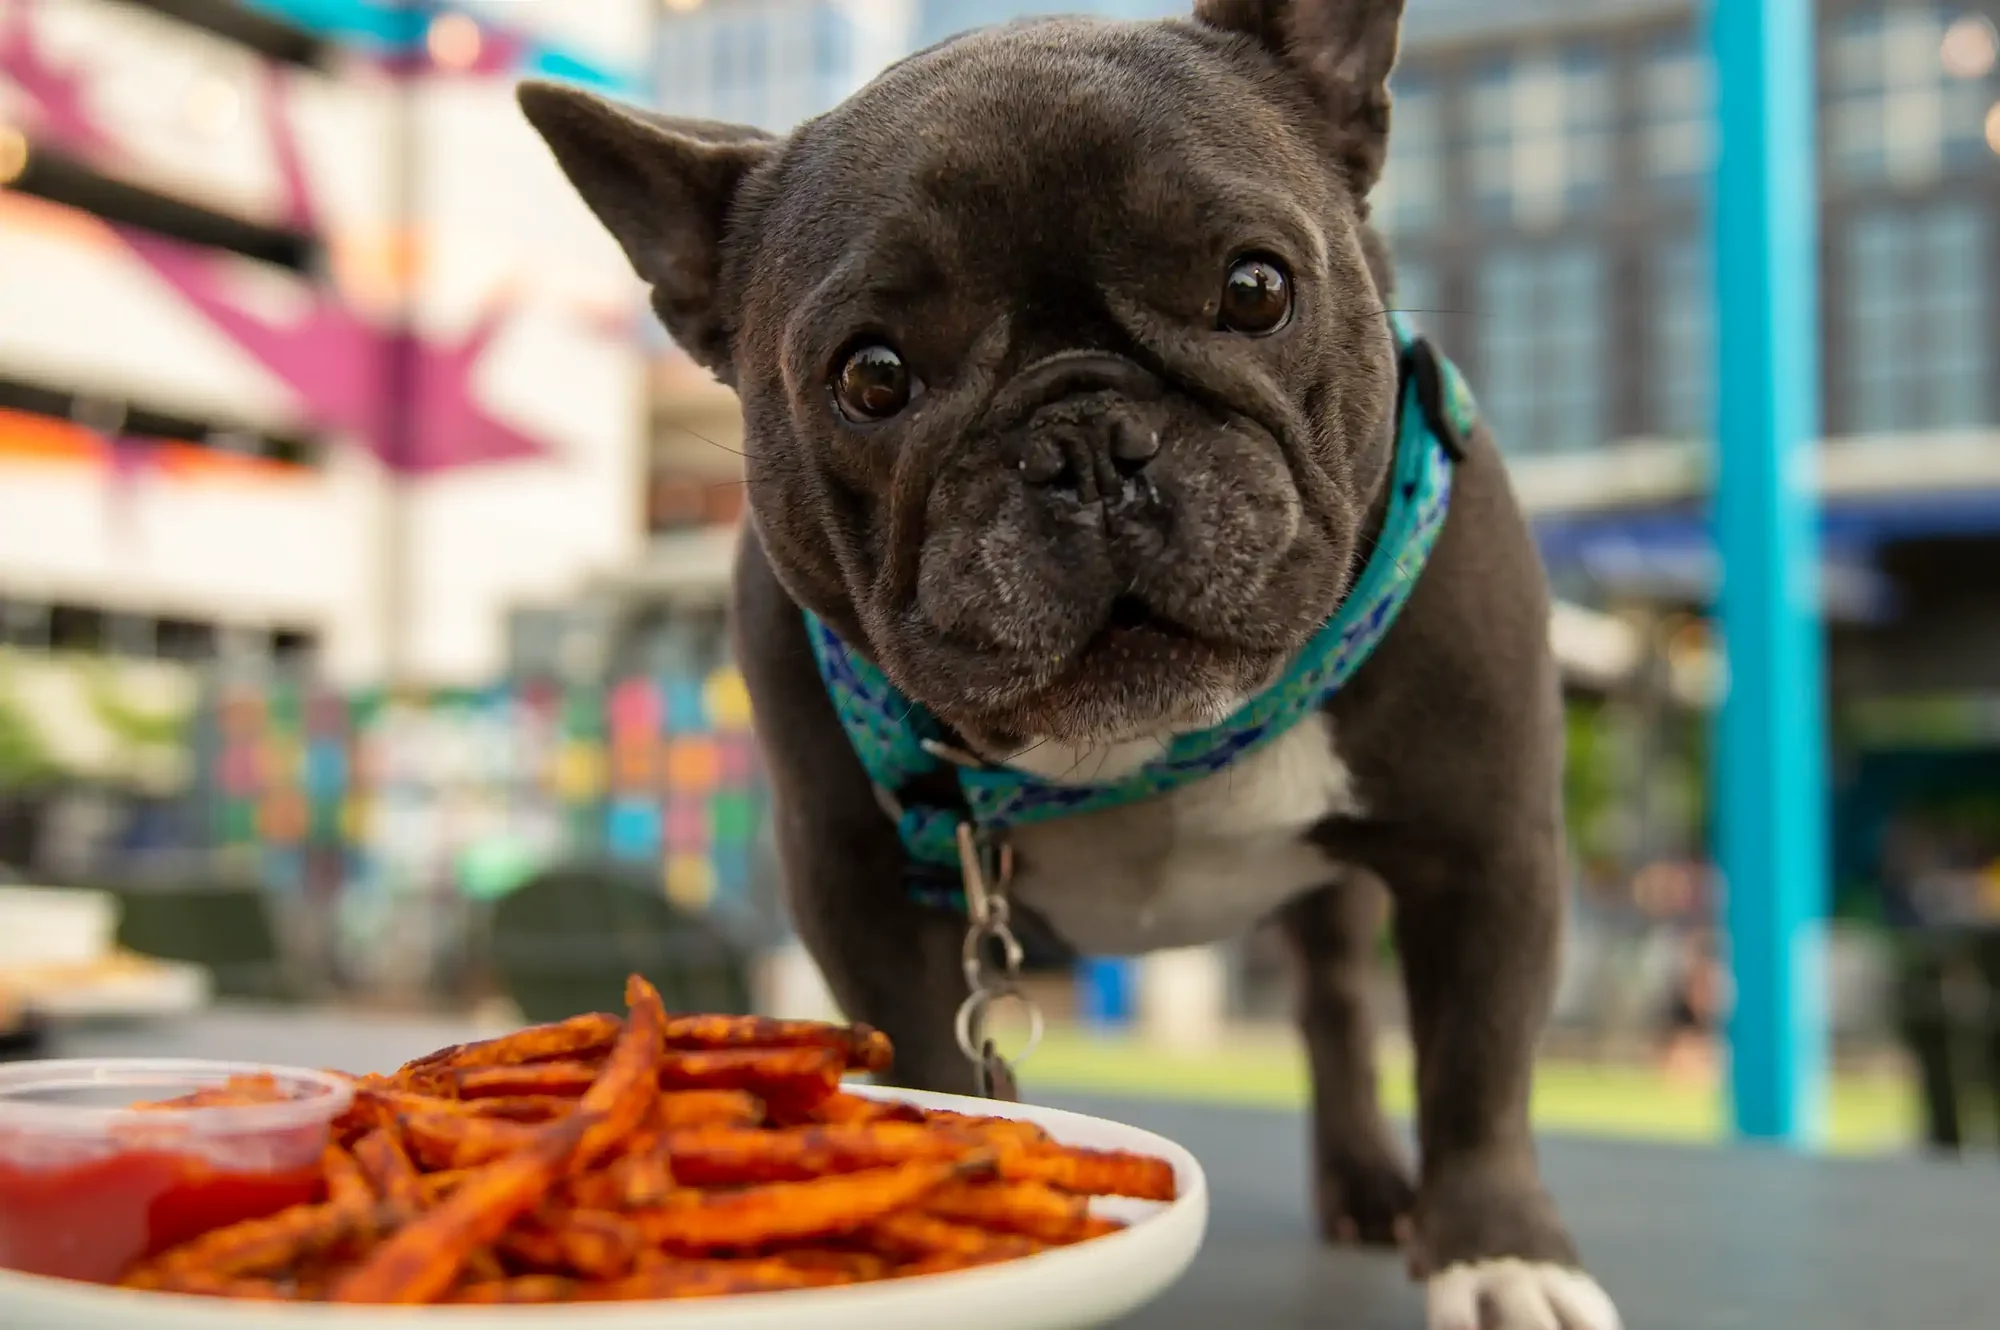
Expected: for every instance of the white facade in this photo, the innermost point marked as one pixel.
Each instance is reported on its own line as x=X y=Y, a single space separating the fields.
x=527 y=305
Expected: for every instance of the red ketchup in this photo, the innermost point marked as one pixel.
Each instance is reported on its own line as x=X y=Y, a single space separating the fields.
x=92 y=1220
x=107 y=1161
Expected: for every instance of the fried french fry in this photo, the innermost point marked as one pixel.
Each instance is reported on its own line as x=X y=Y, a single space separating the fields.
x=642 y=1180
x=719 y=1156
x=944 y=1265
x=850 y=1267
x=256 y=1246
x=592 y=1191
x=483 y=1267
x=1088 y=1172
x=452 y=1140
x=597 y=1244
x=702 y=1279
x=386 y=1105
x=841 y=1107
x=862 y=1047
x=346 y=1183
x=522 y=1289
x=570 y=1039
x=390 y=1174
x=531 y=1246
x=202 y=1284
x=591 y=1243
x=519 y=1108
x=622 y=1097
x=1100 y=1226
x=570 y=1079
x=421 y=1261
x=789 y=1212
x=922 y=1237
x=985 y=1128
x=434 y=1187
x=803 y=1075
x=1029 y=1209
x=707 y=1108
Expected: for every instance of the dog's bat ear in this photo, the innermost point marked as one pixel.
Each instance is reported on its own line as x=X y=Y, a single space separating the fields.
x=1344 y=50
x=663 y=188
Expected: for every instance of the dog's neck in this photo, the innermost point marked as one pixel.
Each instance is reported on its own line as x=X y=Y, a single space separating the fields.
x=1102 y=761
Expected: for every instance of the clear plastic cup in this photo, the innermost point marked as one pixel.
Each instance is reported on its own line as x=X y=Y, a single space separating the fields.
x=91 y=1182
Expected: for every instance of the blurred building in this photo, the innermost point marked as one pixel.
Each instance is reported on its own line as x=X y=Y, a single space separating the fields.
x=305 y=347
x=1547 y=198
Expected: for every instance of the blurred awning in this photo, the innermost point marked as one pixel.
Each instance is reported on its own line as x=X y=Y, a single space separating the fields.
x=1667 y=551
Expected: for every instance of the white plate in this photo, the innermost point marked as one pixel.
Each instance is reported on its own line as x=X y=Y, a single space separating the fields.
x=1070 y=1288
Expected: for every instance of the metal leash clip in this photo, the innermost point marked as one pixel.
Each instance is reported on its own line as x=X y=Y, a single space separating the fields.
x=987 y=864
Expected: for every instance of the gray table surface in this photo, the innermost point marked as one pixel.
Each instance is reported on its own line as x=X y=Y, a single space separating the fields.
x=1685 y=1239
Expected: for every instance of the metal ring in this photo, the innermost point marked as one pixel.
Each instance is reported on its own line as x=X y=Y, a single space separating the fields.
x=971 y=1021
x=973 y=962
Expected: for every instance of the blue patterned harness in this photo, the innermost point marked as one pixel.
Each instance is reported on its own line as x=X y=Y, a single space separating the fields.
x=899 y=741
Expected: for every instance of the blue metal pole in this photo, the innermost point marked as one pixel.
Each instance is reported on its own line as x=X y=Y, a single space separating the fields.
x=1771 y=744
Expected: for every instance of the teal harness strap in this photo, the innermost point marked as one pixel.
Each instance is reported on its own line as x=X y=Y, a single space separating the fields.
x=890 y=733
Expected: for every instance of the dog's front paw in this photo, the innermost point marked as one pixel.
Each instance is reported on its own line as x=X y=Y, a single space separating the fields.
x=1364 y=1199
x=1509 y=1294
x=1493 y=1255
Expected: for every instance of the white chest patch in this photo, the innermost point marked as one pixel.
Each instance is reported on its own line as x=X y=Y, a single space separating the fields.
x=1199 y=865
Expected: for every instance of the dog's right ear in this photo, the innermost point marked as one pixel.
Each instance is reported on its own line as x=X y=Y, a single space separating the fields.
x=1343 y=51
x=663 y=188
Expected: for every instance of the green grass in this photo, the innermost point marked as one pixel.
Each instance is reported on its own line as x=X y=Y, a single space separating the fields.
x=1867 y=1113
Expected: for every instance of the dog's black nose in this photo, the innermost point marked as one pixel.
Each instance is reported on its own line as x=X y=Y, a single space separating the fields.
x=1088 y=425
x=1087 y=445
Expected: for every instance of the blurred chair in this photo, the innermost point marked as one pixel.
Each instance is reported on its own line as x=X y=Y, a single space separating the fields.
x=226 y=929
x=564 y=942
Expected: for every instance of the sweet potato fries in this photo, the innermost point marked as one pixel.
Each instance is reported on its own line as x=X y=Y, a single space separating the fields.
x=646 y=1157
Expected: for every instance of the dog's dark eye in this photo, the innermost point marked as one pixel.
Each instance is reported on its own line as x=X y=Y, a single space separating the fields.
x=873 y=383
x=1257 y=297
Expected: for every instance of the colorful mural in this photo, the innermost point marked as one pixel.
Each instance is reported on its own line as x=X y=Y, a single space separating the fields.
x=470 y=791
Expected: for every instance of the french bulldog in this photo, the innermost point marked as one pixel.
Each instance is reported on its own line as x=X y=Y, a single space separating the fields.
x=1070 y=397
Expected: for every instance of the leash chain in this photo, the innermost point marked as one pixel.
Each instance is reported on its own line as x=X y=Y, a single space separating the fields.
x=987 y=864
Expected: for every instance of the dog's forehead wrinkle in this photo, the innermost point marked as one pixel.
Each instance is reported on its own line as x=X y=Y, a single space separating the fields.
x=1013 y=116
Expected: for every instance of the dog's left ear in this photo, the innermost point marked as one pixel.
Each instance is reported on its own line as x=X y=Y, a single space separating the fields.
x=664 y=188
x=1344 y=51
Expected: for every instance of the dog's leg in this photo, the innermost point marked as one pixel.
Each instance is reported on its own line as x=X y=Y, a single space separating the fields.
x=1479 y=944
x=888 y=960
x=1361 y=1181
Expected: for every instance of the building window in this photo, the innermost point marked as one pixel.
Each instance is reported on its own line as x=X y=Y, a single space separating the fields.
x=772 y=65
x=1908 y=91
x=1683 y=403
x=1918 y=351
x=1542 y=332
x=833 y=55
x=1541 y=135
x=1410 y=197
x=1416 y=292
x=1678 y=90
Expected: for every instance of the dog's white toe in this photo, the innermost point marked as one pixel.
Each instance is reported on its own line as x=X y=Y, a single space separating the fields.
x=1517 y=1295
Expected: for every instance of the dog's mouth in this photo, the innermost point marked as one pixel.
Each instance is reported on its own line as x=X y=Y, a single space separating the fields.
x=1130 y=619
x=1129 y=612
